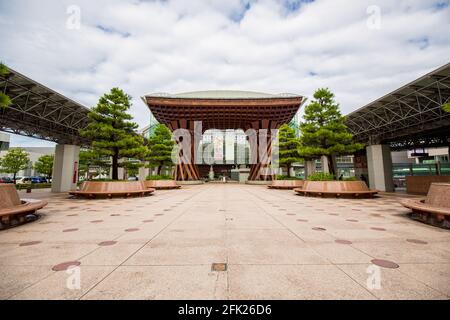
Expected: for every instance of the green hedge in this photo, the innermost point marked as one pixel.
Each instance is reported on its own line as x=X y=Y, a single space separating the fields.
x=321 y=176
x=33 y=186
x=159 y=177
x=350 y=179
x=281 y=177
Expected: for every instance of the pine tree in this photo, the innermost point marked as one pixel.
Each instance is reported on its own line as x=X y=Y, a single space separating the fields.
x=288 y=145
x=160 y=148
x=15 y=160
x=44 y=165
x=5 y=100
x=111 y=131
x=323 y=132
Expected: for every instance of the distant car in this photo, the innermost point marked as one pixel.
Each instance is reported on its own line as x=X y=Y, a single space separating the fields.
x=38 y=180
x=6 y=180
x=23 y=180
x=133 y=178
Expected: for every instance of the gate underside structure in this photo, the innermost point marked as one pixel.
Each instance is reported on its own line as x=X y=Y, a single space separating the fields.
x=224 y=110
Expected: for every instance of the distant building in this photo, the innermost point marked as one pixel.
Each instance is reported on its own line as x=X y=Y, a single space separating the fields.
x=34 y=153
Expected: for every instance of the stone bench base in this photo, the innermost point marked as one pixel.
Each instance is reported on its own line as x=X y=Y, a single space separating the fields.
x=107 y=189
x=286 y=184
x=15 y=211
x=162 y=184
x=336 y=189
x=435 y=209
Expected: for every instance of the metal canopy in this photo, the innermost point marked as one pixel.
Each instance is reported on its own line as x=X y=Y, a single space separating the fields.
x=37 y=111
x=409 y=117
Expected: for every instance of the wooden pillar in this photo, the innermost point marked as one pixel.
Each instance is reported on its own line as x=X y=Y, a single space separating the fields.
x=185 y=169
x=258 y=170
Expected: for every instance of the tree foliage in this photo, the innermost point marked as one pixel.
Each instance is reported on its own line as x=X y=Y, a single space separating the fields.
x=160 y=148
x=89 y=159
x=44 y=164
x=288 y=144
x=5 y=100
x=13 y=161
x=323 y=132
x=111 y=130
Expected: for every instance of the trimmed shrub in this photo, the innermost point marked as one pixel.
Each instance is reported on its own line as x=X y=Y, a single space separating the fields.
x=349 y=179
x=25 y=186
x=159 y=177
x=281 y=177
x=321 y=176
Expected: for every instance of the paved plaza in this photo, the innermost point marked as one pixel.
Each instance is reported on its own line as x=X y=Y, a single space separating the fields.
x=275 y=244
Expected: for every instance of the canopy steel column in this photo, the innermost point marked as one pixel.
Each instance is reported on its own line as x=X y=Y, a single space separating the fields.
x=379 y=163
x=65 y=168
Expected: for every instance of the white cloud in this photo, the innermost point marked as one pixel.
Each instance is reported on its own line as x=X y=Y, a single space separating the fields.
x=175 y=46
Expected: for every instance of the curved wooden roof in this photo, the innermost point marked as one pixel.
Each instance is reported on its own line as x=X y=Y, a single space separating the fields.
x=223 y=109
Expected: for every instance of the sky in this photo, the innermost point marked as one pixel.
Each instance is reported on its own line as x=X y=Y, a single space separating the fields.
x=359 y=49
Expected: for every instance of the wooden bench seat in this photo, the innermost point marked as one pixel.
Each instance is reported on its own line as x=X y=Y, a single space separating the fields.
x=14 y=209
x=93 y=189
x=286 y=184
x=354 y=189
x=162 y=184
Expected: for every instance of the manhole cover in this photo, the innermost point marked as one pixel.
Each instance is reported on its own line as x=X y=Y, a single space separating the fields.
x=66 y=265
x=107 y=243
x=31 y=243
x=340 y=241
x=385 y=263
x=378 y=229
x=219 y=267
x=417 y=241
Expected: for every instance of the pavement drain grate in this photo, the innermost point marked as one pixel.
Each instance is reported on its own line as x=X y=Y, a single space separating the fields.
x=219 y=267
x=70 y=230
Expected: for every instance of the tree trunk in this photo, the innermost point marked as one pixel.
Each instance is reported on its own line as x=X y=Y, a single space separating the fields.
x=14 y=178
x=115 y=165
x=331 y=166
x=288 y=170
x=159 y=170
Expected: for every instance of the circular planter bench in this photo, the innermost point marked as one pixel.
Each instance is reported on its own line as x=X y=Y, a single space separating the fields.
x=350 y=189
x=162 y=184
x=13 y=210
x=109 y=189
x=435 y=208
x=286 y=184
